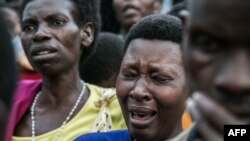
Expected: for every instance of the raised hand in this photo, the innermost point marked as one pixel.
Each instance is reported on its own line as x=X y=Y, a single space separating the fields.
x=210 y=117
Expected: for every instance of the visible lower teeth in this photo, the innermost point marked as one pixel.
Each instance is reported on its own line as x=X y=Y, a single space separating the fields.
x=43 y=52
x=141 y=115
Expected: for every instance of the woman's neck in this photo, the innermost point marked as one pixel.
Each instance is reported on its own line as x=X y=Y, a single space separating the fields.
x=58 y=90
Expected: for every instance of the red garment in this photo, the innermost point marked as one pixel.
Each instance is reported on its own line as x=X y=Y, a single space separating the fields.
x=29 y=75
x=25 y=94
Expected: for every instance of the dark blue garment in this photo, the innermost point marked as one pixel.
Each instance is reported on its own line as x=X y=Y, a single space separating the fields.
x=193 y=135
x=118 y=135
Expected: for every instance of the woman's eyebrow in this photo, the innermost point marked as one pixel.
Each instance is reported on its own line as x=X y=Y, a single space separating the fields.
x=55 y=15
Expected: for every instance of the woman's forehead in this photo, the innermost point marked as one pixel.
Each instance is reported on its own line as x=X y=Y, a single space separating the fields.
x=153 y=51
x=48 y=7
x=161 y=47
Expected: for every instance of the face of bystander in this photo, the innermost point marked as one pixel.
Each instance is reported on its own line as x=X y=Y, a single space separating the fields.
x=128 y=12
x=51 y=37
x=217 y=53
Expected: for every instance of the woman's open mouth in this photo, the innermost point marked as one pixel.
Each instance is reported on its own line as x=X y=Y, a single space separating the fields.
x=43 y=54
x=141 y=117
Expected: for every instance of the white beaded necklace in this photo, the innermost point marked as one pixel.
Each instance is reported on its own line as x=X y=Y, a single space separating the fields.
x=33 y=121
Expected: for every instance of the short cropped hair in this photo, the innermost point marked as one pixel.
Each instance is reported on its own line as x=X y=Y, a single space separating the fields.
x=85 y=11
x=105 y=61
x=161 y=27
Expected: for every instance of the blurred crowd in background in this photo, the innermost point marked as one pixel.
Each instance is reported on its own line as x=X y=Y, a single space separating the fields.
x=135 y=69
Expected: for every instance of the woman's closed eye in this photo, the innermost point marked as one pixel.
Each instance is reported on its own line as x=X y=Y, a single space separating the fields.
x=129 y=75
x=161 y=79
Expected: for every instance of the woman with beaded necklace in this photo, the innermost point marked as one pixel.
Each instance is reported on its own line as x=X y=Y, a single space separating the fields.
x=56 y=33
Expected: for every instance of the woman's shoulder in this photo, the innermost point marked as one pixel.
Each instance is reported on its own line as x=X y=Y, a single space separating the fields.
x=29 y=83
x=117 y=135
x=26 y=87
x=97 y=91
x=104 y=96
x=185 y=135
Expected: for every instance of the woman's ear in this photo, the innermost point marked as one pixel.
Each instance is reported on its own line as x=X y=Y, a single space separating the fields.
x=87 y=34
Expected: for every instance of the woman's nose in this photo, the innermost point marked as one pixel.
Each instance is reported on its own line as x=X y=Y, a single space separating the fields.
x=140 y=92
x=42 y=34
